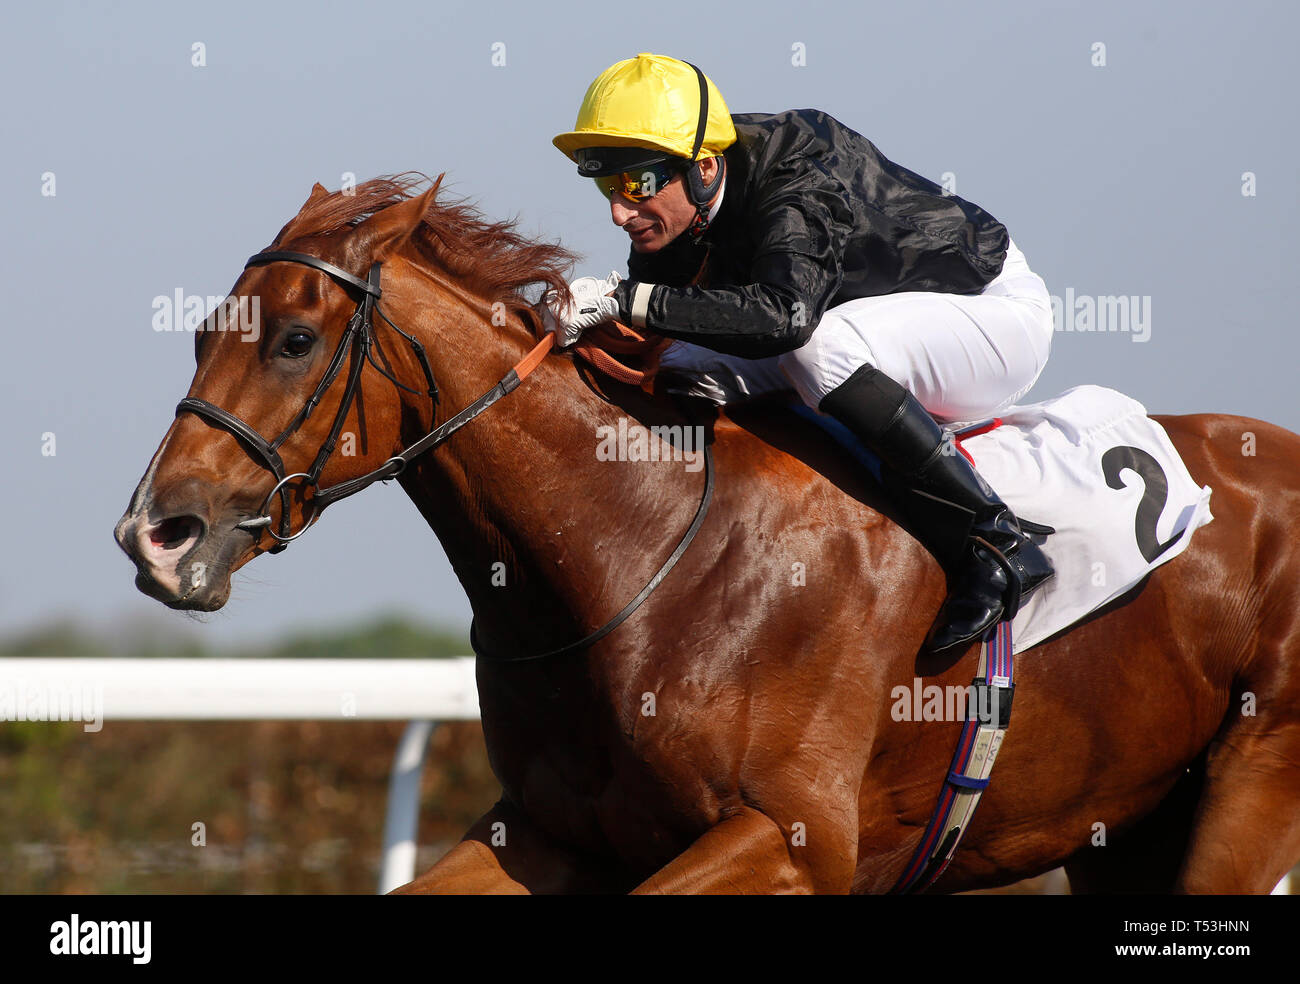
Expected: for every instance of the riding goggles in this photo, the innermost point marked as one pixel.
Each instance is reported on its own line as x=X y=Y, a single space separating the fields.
x=639 y=184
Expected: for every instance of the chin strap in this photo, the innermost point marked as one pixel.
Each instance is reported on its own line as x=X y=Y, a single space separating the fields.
x=704 y=213
x=699 y=225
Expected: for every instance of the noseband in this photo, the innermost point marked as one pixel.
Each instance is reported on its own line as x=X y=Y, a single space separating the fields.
x=359 y=337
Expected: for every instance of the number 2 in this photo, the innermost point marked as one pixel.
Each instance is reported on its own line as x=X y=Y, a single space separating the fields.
x=1154 y=496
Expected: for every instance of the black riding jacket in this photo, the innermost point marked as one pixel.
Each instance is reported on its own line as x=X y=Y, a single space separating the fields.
x=812 y=215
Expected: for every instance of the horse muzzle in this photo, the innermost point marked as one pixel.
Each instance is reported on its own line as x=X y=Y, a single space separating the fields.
x=177 y=559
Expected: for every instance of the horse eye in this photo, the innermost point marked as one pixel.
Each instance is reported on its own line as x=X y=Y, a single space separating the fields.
x=297 y=344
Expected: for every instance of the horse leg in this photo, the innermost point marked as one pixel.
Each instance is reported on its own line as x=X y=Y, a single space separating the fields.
x=745 y=853
x=1247 y=828
x=504 y=853
x=469 y=868
x=1146 y=857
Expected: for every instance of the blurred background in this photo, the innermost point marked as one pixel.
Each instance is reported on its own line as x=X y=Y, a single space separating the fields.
x=286 y=806
x=1131 y=149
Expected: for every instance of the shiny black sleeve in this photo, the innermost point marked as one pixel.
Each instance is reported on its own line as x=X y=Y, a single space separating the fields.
x=801 y=222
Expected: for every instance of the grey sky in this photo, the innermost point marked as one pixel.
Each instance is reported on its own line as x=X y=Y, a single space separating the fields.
x=1122 y=179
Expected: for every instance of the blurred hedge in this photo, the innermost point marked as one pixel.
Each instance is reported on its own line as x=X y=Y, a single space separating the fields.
x=285 y=806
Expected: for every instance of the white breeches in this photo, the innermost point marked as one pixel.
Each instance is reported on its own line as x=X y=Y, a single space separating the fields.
x=965 y=357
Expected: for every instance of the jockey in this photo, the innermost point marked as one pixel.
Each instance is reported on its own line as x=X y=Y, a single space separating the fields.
x=787 y=246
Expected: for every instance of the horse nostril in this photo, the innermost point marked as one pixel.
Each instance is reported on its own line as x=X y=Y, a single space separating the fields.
x=172 y=533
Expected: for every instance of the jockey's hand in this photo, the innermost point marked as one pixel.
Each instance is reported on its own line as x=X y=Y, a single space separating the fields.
x=587 y=305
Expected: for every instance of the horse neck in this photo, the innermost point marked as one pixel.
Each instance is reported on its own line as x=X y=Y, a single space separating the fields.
x=543 y=535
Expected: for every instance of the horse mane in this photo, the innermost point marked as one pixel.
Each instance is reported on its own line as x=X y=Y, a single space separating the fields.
x=491 y=258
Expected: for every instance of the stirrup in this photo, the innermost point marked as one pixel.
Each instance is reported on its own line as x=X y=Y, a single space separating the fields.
x=1021 y=581
x=1011 y=597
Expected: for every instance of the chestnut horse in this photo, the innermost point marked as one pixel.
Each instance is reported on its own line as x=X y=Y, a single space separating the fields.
x=734 y=734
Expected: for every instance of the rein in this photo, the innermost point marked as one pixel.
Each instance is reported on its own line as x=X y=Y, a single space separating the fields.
x=700 y=512
x=360 y=339
x=597 y=343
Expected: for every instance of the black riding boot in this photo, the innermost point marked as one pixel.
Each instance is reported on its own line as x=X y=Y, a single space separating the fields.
x=991 y=565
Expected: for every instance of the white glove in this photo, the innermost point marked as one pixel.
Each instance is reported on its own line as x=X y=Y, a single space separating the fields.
x=587 y=305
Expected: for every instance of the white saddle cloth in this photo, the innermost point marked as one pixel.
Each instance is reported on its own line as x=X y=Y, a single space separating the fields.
x=1089 y=463
x=1092 y=464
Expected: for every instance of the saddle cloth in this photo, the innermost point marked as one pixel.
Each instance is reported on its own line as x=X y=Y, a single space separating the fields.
x=1092 y=464
x=1089 y=463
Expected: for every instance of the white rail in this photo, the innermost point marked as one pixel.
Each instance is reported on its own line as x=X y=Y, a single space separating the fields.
x=256 y=689
x=421 y=692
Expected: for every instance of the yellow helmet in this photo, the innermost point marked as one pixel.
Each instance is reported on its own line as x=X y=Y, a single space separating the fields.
x=655 y=103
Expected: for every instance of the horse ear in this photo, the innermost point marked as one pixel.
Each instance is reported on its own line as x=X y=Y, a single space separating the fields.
x=387 y=230
x=318 y=192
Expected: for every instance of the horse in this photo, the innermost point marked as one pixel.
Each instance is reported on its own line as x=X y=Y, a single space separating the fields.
x=733 y=734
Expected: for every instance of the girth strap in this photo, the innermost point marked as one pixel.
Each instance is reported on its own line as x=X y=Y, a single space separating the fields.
x=972 y=762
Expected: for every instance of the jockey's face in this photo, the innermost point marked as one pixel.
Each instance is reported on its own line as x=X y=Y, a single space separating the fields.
x=656 y=222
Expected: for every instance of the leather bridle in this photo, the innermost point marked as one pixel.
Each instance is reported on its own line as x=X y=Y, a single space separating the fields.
x=360 y=340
